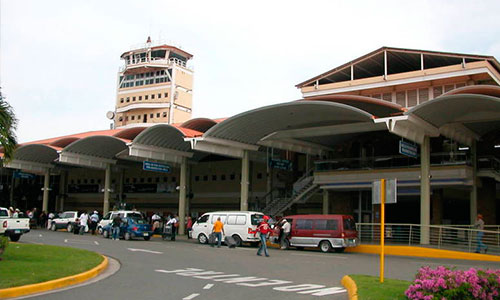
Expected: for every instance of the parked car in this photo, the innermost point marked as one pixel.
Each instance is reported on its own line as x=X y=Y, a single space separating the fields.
x=324 y=231
x=108 y=218
x=13 y=227
x=66 y=220
x=241 y=225
x=131 y=227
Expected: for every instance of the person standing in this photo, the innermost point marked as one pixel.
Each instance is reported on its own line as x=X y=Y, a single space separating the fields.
x=479 y=225
x=218 y=230
x=263 y=230
x=94 y=218
x=285 y=232
x=172 y=222
x=155 y=219
x=189 y=226
x=51 y=216
x=84 y=219
x=116 y=227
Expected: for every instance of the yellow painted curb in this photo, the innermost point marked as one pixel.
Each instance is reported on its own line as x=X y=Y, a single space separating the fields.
x=350 y=285
x=423 y=252
x=54 y=284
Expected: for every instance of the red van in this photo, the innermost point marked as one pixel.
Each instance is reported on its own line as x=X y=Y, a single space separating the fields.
x=324 y=231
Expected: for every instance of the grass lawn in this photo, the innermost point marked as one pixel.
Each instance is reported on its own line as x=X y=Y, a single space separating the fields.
x=23 y=264
x=370 y=288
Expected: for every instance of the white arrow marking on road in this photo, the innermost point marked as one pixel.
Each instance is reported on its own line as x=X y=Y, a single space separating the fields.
x=192 y=296
x=208 y=286
x=144 y=250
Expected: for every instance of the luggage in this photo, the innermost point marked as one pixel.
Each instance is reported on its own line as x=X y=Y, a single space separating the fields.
x=76 y=229
x=212 y=239
x=230 y=242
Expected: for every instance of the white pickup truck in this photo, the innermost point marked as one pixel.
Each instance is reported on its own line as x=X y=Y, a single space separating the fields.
x=12 y=227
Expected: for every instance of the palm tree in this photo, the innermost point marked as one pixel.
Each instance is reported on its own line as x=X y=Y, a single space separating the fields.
x=8 y=123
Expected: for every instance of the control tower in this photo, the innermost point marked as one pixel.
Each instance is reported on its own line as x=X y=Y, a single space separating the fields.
x=154 y=86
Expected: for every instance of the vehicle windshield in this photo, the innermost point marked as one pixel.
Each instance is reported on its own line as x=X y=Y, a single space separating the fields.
x=3 y=213
x=349 y=224
x=256 y=218
x=139 y=220
x=135 y=215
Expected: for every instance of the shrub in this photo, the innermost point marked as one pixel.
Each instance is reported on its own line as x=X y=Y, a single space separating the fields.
x=4 y=242
x=449 y=284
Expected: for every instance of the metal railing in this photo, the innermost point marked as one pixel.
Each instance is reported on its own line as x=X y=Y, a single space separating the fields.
x=441 y=237
x=162 y=60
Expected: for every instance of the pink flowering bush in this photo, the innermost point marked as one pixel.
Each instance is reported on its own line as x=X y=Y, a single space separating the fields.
x=448 y=284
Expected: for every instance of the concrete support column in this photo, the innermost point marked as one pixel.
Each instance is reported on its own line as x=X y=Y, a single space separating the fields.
x=182 y=195
x=425 y=188
x=473 y=192
x=326 y=204
x=245 y=176
x=107 y=189
x=62 y=191
x=46 y=181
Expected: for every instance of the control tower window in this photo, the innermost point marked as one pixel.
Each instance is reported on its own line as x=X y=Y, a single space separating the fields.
x=158 y=54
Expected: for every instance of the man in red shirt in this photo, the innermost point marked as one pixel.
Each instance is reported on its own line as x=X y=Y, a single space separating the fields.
x=263 y=230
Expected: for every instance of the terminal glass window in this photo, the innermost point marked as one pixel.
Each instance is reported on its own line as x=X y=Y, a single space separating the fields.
x=412 y=98
x=423 y=95
x=401 y=98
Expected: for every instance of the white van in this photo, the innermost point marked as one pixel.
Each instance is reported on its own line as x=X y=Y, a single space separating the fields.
x=108 y=218
x=241 y=225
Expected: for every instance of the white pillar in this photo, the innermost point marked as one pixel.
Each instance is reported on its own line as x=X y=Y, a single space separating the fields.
x=326 y=207
x=107 y=189
x=425 y=197
x=245 y=174
x=182 y=195
x=473 y=193
x=46 y=181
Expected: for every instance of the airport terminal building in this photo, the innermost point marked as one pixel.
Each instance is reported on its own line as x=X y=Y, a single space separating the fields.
x=430 y=120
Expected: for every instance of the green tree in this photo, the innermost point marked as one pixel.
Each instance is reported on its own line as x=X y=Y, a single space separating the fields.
x=8 y=123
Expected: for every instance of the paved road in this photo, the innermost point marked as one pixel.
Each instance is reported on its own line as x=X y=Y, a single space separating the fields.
x=184 y=269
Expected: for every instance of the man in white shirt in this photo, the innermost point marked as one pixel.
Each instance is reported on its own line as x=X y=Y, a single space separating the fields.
x=285 y=231
x=84 y=218
x=172 y=223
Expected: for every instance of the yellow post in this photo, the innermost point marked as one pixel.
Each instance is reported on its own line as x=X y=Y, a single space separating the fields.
x=382 y=228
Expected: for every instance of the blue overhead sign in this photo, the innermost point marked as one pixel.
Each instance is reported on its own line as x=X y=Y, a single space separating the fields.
x=281 y=164
x=155 y=167
x=408 y=149
x=23 y=175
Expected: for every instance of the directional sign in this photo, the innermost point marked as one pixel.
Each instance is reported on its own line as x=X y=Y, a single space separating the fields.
x=281 y=164
x=23 y=175
x=390 y=191
x=408 y=149
x=155 y=167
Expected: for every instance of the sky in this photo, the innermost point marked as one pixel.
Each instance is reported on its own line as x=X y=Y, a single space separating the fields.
x=59 y=59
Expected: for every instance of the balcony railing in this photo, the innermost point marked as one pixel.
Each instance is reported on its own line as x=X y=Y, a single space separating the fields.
x=160 y=60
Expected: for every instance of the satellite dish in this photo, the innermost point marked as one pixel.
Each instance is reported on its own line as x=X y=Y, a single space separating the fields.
x=110 y=115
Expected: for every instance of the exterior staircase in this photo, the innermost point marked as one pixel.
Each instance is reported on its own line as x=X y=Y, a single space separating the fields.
x=303 y=189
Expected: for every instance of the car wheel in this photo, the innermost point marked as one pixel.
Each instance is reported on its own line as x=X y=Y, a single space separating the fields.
x=285 y=245
x=53 y=227
x=105 y=234
x=202 y=239
x=127 y=236
x=325 y=246
x=147 y=238
x=339 y=250
x=238 y=240
x=14 y=237
x=99 y=229
x=69 y=227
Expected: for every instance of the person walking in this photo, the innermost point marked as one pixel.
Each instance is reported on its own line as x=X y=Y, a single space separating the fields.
x=84 y=219
x=479 y=225
x=116 y=227
x=155 y=219
x=172 y=222
x=263 y=229
x=218 y=230
x=285 y=232
x=94 y=218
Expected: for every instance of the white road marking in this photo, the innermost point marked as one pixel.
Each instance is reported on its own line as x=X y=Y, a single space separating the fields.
x=192 y=296
x=320 y=256
x=40 y=235
x=65 y=240
x=286 y=286
x=96 y=242
x=208 y=286
x=144 y=250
